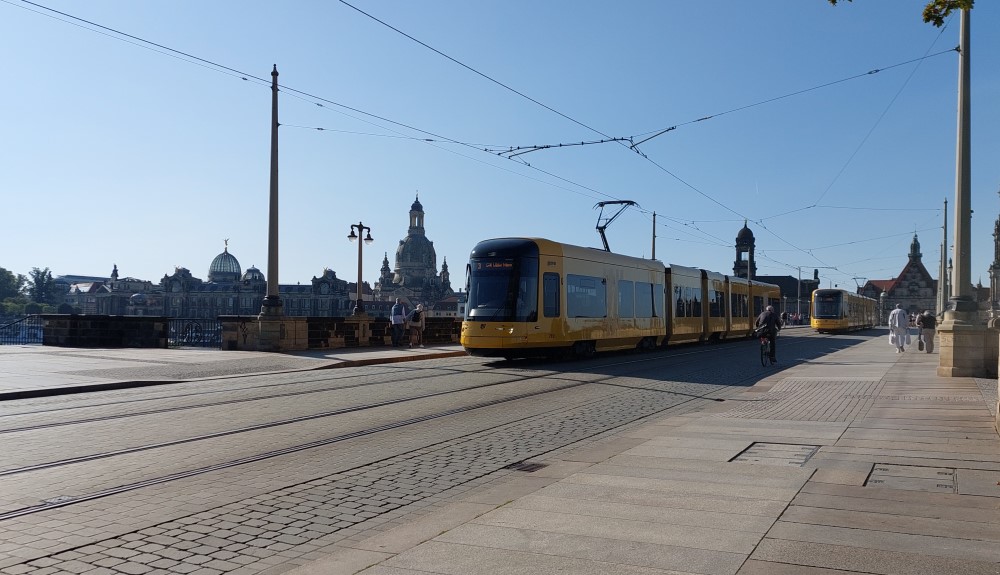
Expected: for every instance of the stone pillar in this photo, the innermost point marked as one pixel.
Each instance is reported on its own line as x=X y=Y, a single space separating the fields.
x=963 y=337
x=282 y=334
x=362 y=325
x=963 y=347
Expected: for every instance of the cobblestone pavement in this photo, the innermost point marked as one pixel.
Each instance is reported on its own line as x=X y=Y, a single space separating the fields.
x=268 y=516
x=305 y=508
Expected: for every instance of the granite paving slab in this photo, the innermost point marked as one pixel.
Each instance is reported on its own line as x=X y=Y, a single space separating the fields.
x=866 y=560
x=936 y=546
x=613 y=551
x=452 y=559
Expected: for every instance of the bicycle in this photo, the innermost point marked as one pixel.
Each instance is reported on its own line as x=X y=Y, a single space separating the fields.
x=765 y=351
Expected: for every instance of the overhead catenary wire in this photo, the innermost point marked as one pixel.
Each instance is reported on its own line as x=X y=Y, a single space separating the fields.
x=436 y=138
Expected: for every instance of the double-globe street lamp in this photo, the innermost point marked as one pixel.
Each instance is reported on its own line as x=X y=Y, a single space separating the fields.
x=359 y=306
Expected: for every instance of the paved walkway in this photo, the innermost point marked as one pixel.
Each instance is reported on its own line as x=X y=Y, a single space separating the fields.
x=37 y=371
x=863 y=461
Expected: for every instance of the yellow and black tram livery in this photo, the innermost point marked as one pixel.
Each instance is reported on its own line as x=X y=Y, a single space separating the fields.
x=834 y=310
x=536 y=297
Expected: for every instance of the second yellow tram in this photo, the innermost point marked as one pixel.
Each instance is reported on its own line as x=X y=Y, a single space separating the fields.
x=833 y=310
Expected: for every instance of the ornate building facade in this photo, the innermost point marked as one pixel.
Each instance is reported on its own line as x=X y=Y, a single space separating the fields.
x=914 y=287
x=414 y=277
x=231 y=291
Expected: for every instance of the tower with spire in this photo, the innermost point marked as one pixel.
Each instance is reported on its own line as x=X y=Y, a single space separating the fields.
x=745 y=245
x=414 y=276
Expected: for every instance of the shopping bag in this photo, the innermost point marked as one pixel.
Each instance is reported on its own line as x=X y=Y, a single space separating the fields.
x=892 y=339
x=907 y=338
x=920 y=345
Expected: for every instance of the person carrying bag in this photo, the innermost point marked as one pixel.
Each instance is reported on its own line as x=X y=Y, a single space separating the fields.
x=927 y=324
x=899 y=335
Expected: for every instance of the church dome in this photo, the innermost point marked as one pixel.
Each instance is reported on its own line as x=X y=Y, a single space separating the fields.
x=745 y=236
x=138 y=299
x=225 y=268
x=415 y=260
x=253 y=274
x=416 y=206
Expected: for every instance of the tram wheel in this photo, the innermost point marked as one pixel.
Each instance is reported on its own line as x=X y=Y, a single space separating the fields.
x=584 y=349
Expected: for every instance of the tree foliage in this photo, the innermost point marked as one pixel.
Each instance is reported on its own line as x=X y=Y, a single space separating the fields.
x=937 y=10
x=10 y=284
x=41 y=287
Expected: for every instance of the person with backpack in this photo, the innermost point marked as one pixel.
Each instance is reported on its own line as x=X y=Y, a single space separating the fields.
x=417 y=323
x=927 y=324
x=769 y=323
x=397 y=317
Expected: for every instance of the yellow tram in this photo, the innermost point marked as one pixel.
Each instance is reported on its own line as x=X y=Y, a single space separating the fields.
x=840 y=310
x=536 y=297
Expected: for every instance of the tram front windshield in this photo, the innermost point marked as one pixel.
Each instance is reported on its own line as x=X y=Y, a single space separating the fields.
x=827 y=305
x=503 y=289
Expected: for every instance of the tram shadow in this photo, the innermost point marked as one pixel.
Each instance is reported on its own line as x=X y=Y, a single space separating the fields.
x=729 y=363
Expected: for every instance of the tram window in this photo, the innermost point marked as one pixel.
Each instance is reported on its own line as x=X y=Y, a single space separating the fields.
x=643 y=299
x=503 y=289
x=717 y=307
x=827 y=306
x=586 y=296
x=527 y=299
x=658 y=300
x=758 y=305
x=687 y=302
x=550 y=294
x=626 y=299
x=735 y=306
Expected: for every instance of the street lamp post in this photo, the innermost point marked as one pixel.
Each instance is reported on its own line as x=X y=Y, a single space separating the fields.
x=881 y=307
x=359 y=307
x=798 y=296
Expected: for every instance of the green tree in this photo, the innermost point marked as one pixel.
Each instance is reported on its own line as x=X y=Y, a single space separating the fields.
x=937 y=10
x=10 y=284
x=41 y=287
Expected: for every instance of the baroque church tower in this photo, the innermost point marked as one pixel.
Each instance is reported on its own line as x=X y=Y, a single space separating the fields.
x=414 y=275
x=745 y=244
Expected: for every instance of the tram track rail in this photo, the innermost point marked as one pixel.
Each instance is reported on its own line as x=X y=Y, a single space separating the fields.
x=228 y=402
x=58 y=502
x=140 y=413
x=737 y=380
x=385 y=371
x=63 y=502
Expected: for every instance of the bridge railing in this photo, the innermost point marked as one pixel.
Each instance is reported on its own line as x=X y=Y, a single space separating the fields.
x=194 y=332
x=24 y=331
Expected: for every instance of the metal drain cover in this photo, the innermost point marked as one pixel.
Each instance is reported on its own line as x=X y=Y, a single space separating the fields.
x=912 y=478
x=779 y=454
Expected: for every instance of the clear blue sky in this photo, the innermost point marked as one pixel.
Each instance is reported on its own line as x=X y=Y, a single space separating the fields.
x=117 y=154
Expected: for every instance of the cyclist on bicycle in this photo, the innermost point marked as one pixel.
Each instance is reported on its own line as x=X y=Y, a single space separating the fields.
x=769 y=323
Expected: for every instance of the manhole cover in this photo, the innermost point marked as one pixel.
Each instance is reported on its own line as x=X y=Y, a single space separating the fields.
x=780 y=454
x=912 y=478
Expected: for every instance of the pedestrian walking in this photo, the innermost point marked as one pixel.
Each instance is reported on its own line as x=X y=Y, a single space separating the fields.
x=417 y=323
x=397 y=317
x=927 y=323
x=899 y=335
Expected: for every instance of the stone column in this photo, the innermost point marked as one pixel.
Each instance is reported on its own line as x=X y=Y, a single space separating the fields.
x=963 y=337
x=271 y=329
